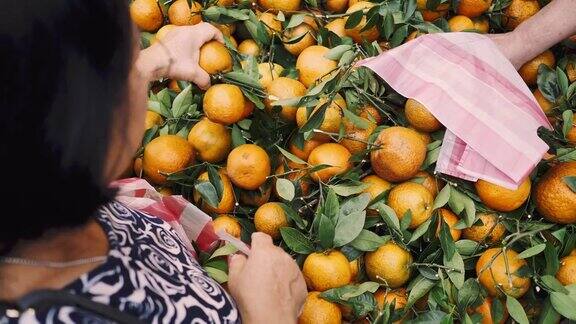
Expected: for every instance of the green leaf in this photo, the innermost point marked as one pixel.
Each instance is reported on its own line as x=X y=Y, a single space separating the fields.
x=353 y=204
x=457 y=263
x=571 y=182
x=336 y=53
x=349 y=227
x=446 y=241
x=291 y=156
x=469 y=293
x=399 y=36
x=470 y=211
x=182 y=102
x=345 y=190
x=421 y=230
x=296 y=241
x=367 y=241
x=237 y=138
x=243 y=78
x=547 y=83
x=419 y=287
x=356 y=120
x=497 y=310
x=562 y=80
x=530 y=252
x=326 y=232
x=285 y=189
x=347 y=58
x=149 y=135
x=456 y=201
x=315 y=119
x=217 y=274
x=331 y=205
x=568 y=121
x=389 y=216
x=516 y=310
x=406 y=220
x=367 y=286
x=293 y=216
x=354 y=19
x=466 y=247
x=208 y=193
x=442 y=198
x=216 y=181
x=295 y=20
x=548 y=313
x=226 y=249
x=551 y=257
x=553 y=284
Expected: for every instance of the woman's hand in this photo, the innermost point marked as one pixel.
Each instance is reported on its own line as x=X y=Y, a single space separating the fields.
x=268 y=285
x=176 y=55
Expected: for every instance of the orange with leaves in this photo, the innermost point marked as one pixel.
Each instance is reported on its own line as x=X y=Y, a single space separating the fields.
x=389 y=264
x=497 y=272
x=164 y=155
x=248 y=166
x=326 y=270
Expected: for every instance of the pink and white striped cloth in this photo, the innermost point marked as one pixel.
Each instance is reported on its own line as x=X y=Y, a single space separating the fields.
x=189 y=222
x=491 y=117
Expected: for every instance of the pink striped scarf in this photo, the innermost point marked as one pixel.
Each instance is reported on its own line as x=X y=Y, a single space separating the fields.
x=491 y=117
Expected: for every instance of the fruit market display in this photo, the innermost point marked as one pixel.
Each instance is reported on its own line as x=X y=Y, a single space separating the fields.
x=295 y=141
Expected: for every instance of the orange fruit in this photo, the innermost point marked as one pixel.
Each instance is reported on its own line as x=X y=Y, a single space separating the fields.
x=413 y=35
x=273 y=25
x=460 y=23
x=312 y=65
x=571 y=71
x=357 y=33
x=485 y=309
x=333 y=154
x=498 y=273
x=336 y=5
x=296 y=33
x=173 y=85
x=152 y=119
x=317 y=310
x=354 y=268
x=227 y=223
x=181 y=14
x=491 y=231
x=146 y=14
x=226 y=203
x=337 y=26
x=268 y=73
x=500 y=198
x=519 y=11
x=450 y=219
x=256 y=198
x=529 y=71
x=481 y=24
x=554 y=199
x=270 y=218
x=332 y=116
x=431 y=15
x=304 y=153
x=414 y=197
x=285 y=88
x=226 y=29
x=544 y=103
x=425 y=137
x=300 y=177
x=280 y=5
x=224 y=104
x=567 y=272
x=420 y=118
x=400 y=154
x=571 y=135
x=248 y=109
x=166 y=154
x=211 y=140
x=249 y=47
x=163 y=31
x=370 y=113
x=389 y=264
x=165 y=191
x=473 y=8
x=356 y=140
x=326 y=270
x=376 y=185
x=248 y=166
x=429 y=182
x=215 y=58
x=397 y=296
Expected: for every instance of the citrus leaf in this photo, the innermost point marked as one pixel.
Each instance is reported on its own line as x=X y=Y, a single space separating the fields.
x=182 y=102
x=345 y=190
x=442 y=198
x=356 y=120
x=421 y=230
x=466 y=247
x=537 y=249
x=331 y=205
x=348 y=228
x=354 y=19
x=216 y=181
x=497 y=310
x=562 y=80
x=446 y=241
x=469 y=293
x=295 y=101
x=336 y=53
x=295 y=20
x=285 y=189
x=367 y=241
x=399 y=36
x=208 y=193
x=293 y=216
x=548 y=313
x=237 y=138
x=296 y=241
x=291 y=156
x=367 y=286
x=217 y=274
x=353 y=204
x=470 y=211
x=389 y=216
x=419 y=287
x=326 y=232
x=406 y=220
x=553 y=284
x=568 y=121
x=516 y=310
x=456 y=263
x=315 y=120
x=226 y=249
x=243 y=78
x=571 y=182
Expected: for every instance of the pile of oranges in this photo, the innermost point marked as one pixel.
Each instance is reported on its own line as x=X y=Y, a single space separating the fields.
x=292 y=140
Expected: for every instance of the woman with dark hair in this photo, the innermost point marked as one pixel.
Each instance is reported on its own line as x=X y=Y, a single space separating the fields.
x=73 y=96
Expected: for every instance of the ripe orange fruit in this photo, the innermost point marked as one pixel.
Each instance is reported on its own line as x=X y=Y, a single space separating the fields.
x=429 y=182
x=420 y=118
x=357 y=33
x=485 y=309
x=500 y=198
x=371 y=113
x=498 y=273
x=318 y=310
x=226 y=203
x=336 y=5
x=460 y=23
x=544 y=103
x=356 y=140
x=414 y=197
x=473 y=8
x=166 y=154
x=481 y=24
x=300 y=177
x=326 y=270
x=337 y=26
x=274 y=25
x=354 y=268
x=571 y=71
x=431 y=15
x=270 y=218
x=376 y=185
x=256 y=198
x=529 y=71
x=400 y=154
x=335 y=155
x=571 y=135
x=519 y=11
x=248 y=166
x=146 y=14
x=268 y=73
x=285 y=88
x=224 y=104
x=296 y=33
x=215 y=58
x=397 y=296
x=332 y=117
x=248 y=109
x=312 y=65
x=389 y=264
x=152 y=119
x=227 y=223
x=554 y=199
x=567 y=272
x=280 y=5
x=491 y=231
x=249 y=47
x=211 y=140
x=450 y=219
x=304 y=153
x=425 y=137
x=181 y=14
x=226 y=29
x=163 y=31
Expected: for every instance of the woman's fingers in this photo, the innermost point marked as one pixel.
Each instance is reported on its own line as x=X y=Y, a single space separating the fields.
x=201 y=78
x=207 y=32
x=261 y=240
x=235 y=266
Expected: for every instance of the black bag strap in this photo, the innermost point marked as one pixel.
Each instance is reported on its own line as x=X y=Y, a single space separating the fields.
x=45 y=299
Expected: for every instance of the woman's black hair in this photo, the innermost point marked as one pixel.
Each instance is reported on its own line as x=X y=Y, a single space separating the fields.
x=64 y=67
